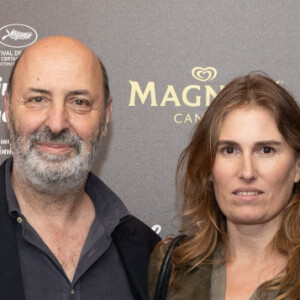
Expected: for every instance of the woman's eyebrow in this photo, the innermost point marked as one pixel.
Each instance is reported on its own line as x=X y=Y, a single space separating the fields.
x=258 y=143
x=227 y=142
x=268 y=143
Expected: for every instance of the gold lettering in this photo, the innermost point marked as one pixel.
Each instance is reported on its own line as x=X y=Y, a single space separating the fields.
x=170 y=96
x=188 y=119
x=185 y=99
x=197 y=118
x=176 y=118
x=136 y=89
x=209 y=92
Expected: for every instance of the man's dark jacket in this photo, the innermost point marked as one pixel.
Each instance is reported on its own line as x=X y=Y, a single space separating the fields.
x=134 y=240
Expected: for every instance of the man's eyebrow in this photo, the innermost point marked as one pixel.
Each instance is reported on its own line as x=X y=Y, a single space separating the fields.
x=78 y=92
x=41 y=91
x=70 y=93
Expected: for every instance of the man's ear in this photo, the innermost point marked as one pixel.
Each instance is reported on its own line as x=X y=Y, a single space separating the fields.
x=108 y=112
x=7 y=109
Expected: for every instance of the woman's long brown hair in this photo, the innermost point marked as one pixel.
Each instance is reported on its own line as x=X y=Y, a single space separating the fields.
x=201 y=217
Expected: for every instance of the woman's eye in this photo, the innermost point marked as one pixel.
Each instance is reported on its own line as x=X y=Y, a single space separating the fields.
x=267 y=150
x=229 y=150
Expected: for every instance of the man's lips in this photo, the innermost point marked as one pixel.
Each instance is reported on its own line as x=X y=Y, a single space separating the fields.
x=55 y=147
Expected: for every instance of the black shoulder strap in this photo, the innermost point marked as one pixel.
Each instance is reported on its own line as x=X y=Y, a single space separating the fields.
x=162 y=286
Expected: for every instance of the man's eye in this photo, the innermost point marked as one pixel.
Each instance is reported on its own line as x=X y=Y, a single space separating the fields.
x=37 y=99
x=81 y=102
x=80 y=105
x=36 y=102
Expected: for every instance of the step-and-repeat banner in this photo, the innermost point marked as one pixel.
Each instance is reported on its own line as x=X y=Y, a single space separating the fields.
x=166 y=60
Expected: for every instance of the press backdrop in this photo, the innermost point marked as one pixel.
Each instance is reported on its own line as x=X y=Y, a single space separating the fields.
x=166 y=60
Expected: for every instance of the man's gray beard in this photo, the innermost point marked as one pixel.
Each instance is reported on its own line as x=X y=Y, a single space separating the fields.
x=53 y=173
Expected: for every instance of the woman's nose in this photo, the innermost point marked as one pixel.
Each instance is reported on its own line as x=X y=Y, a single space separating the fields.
x=247 y=168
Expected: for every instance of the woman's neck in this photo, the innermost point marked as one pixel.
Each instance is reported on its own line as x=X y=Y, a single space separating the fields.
x=251 y=242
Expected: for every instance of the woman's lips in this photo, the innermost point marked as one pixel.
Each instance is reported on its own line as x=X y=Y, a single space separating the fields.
x=247 y=194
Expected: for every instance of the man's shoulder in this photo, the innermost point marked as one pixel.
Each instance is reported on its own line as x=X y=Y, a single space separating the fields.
x=133 y=233
x=94 y=181
x=135 y=241
x=2 y=167
x=133 y=225
x=130 y=227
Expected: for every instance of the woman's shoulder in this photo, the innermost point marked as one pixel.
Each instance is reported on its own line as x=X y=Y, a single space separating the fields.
x=160 y=250
x=154 y=265
x=191 y=284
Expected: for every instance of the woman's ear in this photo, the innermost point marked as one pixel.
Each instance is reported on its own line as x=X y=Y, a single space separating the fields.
x=297 y=174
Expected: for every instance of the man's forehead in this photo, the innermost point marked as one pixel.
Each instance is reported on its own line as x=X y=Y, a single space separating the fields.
x=59 y=57
x=60 y=50
x=35 y=63
x=59 y=44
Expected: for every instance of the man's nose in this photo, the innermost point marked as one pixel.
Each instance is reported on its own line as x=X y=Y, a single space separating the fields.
x=247 y=168
x=57 y=117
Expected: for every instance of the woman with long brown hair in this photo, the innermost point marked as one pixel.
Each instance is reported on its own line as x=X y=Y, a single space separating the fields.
x=239 y=178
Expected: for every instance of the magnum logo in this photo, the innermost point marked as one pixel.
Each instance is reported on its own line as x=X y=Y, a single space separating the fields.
x=204 y=74
x=190 y=96
x=171 y=95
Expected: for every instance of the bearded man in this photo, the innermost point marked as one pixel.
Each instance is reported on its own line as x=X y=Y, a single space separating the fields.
x=63 y=233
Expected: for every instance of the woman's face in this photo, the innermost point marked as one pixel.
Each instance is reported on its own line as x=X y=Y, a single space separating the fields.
x=254 y=169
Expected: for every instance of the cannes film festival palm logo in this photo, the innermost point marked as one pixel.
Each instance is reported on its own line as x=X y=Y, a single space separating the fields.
x=204 y=74
x=17 y=35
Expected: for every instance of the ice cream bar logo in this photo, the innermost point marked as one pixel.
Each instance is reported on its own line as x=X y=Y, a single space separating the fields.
x=189 y=96
x=17 y=35
x=204 y=74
